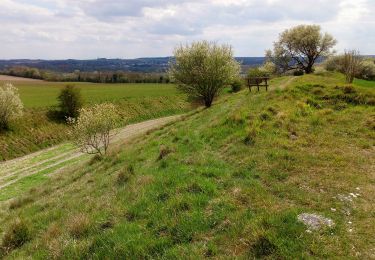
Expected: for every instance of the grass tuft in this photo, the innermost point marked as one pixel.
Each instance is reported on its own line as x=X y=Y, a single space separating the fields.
x=78 y=225
x=15 y=236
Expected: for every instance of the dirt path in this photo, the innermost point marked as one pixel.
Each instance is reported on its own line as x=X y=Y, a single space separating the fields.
x=287 y=82
x=56 y=158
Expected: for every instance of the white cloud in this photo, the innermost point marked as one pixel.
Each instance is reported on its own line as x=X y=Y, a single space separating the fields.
x=135 y=28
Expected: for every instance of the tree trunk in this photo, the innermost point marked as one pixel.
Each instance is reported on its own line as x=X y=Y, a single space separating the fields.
x=309 y=69
x=208 y=103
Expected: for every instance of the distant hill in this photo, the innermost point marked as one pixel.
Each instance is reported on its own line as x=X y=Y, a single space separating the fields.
x=132 y=65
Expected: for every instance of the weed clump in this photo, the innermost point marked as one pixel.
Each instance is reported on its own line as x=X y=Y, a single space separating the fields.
x=348 y=89
x=163 y=152
x=78 y=225
x=264 y=116
x=15 y=236
x=124 y=175
x=263 y=247
x=250 y=136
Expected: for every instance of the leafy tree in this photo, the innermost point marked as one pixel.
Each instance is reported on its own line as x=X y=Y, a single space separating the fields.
x=93 y=128
x=300 y=47
x=202 y=69
x=10 y=105
x=71 y=101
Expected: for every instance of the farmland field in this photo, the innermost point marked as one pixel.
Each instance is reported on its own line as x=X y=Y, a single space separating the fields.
x=36 y=94
x=37 y=130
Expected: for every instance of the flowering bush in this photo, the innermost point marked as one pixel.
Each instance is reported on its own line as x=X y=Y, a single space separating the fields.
x=10 y=105
x=93 y=128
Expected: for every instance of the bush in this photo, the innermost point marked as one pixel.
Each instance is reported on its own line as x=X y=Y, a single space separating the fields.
x=70 y=101
x=15 y=236
x=298 y=73
x=363 y=69
x=236 y=85
x=10 y=105
x=92 y=129
x=367 y=70
x=269 y=68
x=332 y=63
x=256 y=72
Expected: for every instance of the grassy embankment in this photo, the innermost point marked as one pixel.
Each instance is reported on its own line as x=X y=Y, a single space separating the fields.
x=228 y=181
x=37 y=130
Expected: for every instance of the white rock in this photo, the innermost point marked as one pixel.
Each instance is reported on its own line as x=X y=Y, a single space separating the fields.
x=314 y=221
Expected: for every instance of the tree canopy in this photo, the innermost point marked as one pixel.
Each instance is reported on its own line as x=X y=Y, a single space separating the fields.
x=202 y=69
x=300 y=47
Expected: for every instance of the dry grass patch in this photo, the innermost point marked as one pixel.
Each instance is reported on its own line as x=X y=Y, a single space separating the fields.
x=78 y=225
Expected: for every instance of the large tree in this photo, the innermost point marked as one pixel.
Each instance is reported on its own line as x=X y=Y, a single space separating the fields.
x=202 y=69
x=300 y=47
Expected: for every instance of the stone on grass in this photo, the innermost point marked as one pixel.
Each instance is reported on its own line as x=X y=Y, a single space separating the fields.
x=314 y=221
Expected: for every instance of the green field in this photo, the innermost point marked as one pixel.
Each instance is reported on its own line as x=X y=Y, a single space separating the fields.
x=226 y=182
x=37 y=130
x=44 y=94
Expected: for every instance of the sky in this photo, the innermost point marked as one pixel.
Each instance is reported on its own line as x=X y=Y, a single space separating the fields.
x=90 y=29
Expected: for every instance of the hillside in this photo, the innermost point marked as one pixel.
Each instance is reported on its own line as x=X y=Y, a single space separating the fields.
x=223 y=182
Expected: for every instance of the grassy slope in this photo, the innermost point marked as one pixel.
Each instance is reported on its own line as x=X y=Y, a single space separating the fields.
x=213 y=194
x=35 y=130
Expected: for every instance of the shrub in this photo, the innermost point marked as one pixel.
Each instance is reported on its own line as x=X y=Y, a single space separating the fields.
x=70 y=101
x=92 y=129
x=298 y=73
x=367 y=70
x=10 y=105
x=256 y=72
x=332 y=63
x=15 y=236
x=269 y=68
x=203 y=69
x=351 y=65
x=236 y=85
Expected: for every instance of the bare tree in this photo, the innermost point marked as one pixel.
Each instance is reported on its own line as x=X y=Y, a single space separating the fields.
x=351 y=64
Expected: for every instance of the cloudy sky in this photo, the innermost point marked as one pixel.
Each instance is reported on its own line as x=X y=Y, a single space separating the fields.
x=85 y=29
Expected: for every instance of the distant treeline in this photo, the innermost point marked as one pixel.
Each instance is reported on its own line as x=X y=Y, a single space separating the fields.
x=95 y=76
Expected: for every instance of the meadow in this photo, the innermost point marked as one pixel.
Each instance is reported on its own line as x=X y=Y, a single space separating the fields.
x=225 y=182
x=44 y=94
x=39 y=129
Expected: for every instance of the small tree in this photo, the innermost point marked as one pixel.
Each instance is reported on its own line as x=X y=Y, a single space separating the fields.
x=10 y=105
x=92 y=130
x=351 y=64
x=70 y=101
x=202 y=69
x=300 y=47
x=236 y=85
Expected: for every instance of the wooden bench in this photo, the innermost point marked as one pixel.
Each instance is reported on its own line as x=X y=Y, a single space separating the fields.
x=258 y=82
